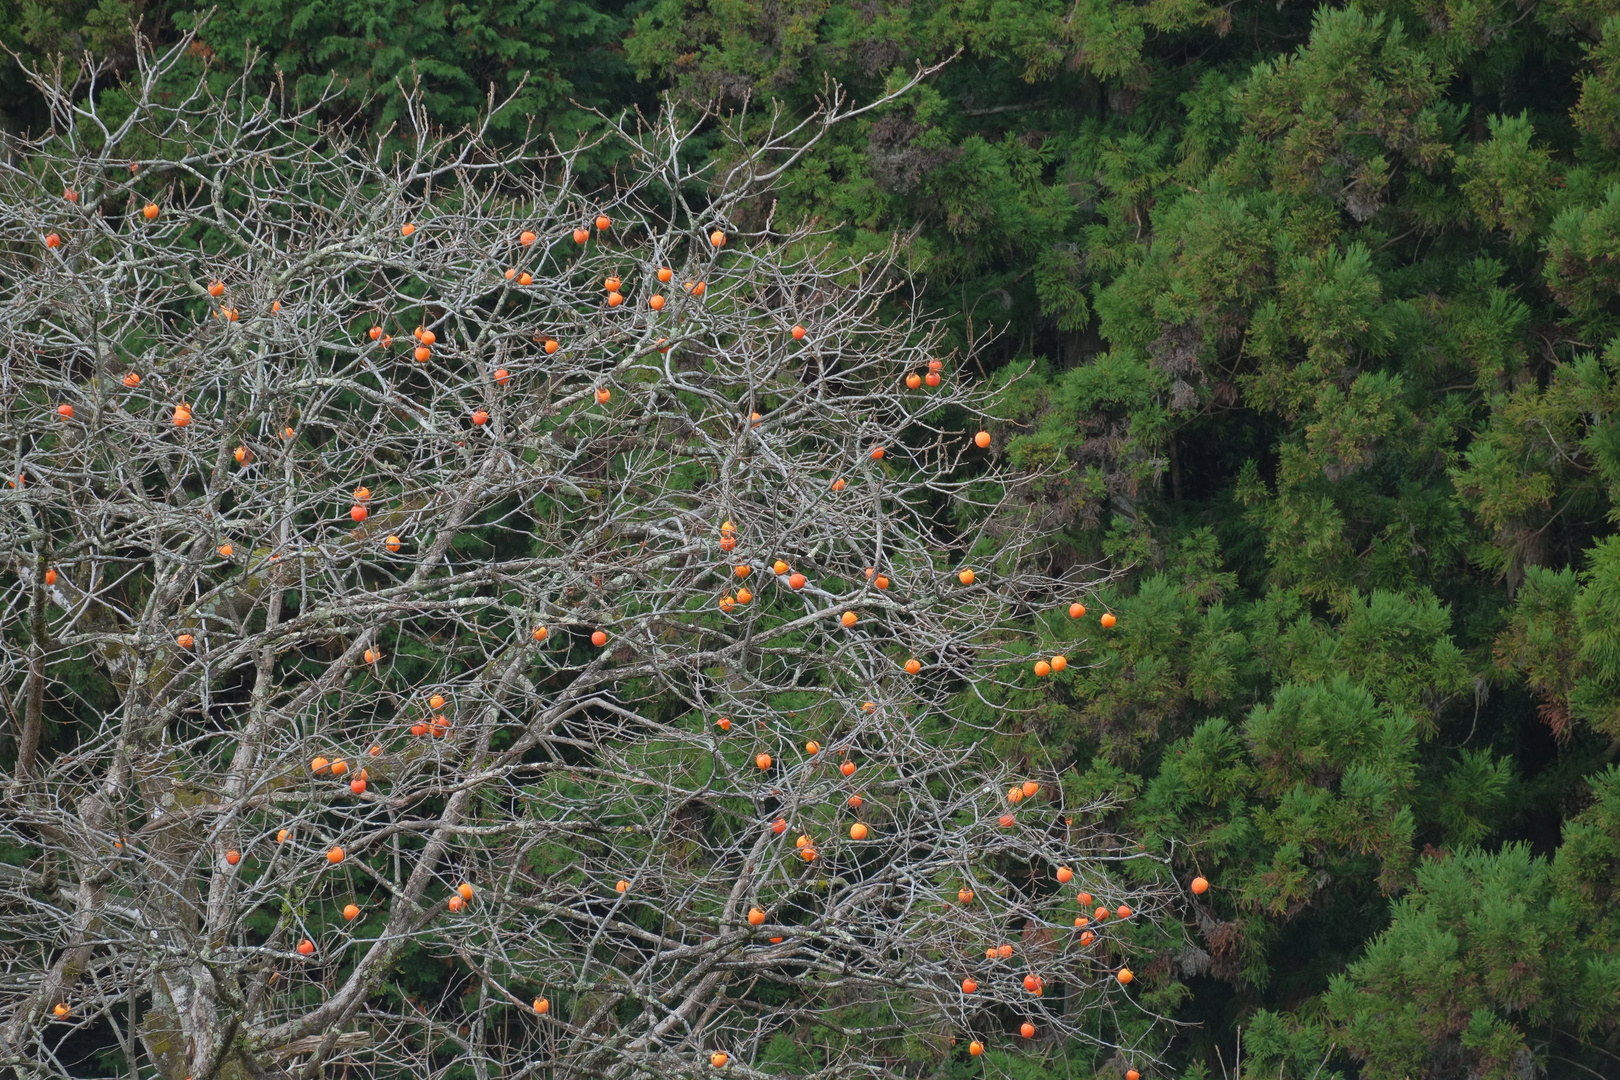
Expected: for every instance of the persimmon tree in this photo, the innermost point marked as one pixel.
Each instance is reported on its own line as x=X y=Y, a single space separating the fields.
x=455 y=621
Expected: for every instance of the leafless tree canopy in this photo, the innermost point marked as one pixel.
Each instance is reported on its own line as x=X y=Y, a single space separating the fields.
x=266 y=696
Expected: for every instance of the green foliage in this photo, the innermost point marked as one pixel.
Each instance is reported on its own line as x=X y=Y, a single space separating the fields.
x=1488 y=948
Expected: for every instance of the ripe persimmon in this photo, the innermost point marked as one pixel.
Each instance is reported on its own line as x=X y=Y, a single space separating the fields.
x=913 y=666
x=422 y=354
x=779 y=826
x=913 y=381
x=50 y=576
x=599 y=639
x=358 y=785
x=982 y=439
x=796 y=581
x=334 y=855
x=581 y=235
x=932 y=378
x=358 y=513
x=182 y=416
x=849 y=618
x=456 y=903
x=340 y=767
x=966 y=577
x=542 y=1006
x=53 y=241
x=1004 y=951
x=233 y=857
x=65 y=411
x=847 y=768
x=798 y=333
x=779 y=567
x=1042 y=669
x=525 y=278
x=603 y=395
x=480 y=417
x=132 y=380
x=717 y=239
x=615 y=299
x=351 y=912
x=969 y=986
x=1107 y=620
x=1200 y=885
x=1006 y=821
x=185 y=641
x=225 y=551
x=392 y=544
x=855 y=802
x=622 y=886
x=1132 y=1074
x=763 y=761
x=718 y=1060
x=964 y=895
x=407 y=229
x=603 y=223
x=216 y=289
x=877 y=453
x=526 y=238
x=551 y=346
x=70 y=195
x=975 y=1047
x=812 y=748
x=1027 y=1030
x=1087 y=938
x=724 y=723
x=1124 y=911
x=838 y=485
x=664 y=274
x=306 y=947
x=857 y=831
x=1030 y=789
x=657 y=302
x=150 y=211
x=1125 y=976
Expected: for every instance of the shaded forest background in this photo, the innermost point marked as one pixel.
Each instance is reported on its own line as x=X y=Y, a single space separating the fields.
x=1319 y=307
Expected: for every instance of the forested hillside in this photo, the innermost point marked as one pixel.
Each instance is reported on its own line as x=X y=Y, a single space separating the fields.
x=1308 y=318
